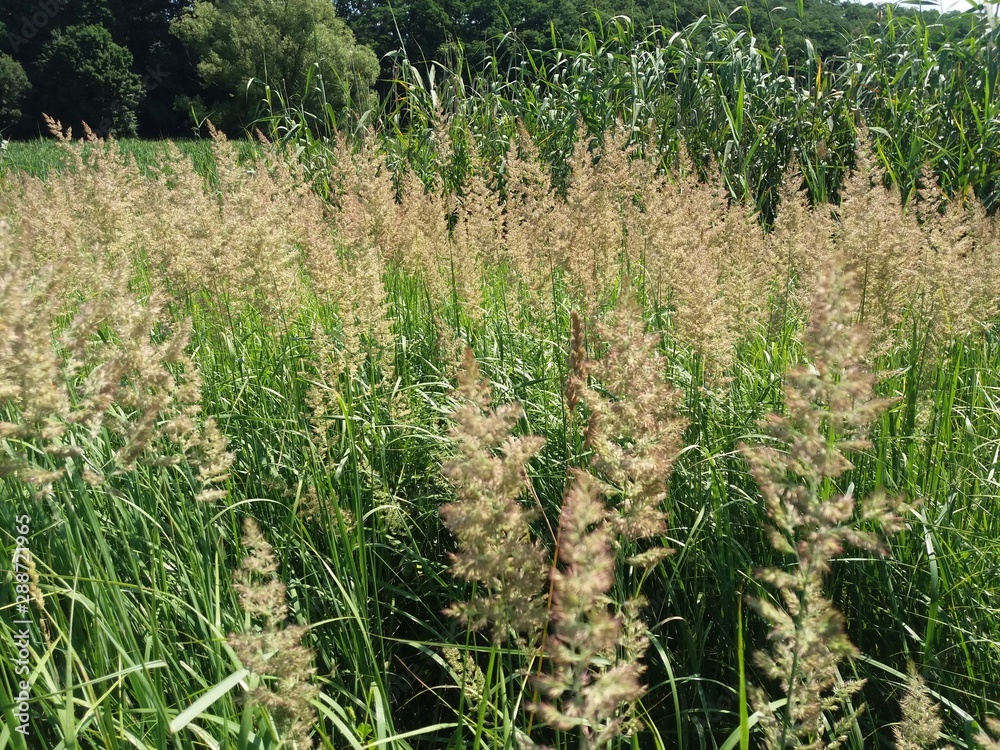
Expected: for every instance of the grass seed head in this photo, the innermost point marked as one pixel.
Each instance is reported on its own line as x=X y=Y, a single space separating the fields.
x=496 y=545
x=272 y=649
x=830 y=401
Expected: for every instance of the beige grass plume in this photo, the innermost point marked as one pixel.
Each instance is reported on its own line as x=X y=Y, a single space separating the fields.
x=920 y=725
x=496 y=547
x=634 y=429
x=592 y=653
x=270 y=648
x=530 y=223
x=830 y=402
x=118 y=366
x=586 y=687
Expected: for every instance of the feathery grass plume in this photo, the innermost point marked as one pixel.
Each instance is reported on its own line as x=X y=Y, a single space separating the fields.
x=957 y=275
x=158 y=389
x=984 y=234
x=984 y=738
x=324 y=401
x=334 y=383
x=84 y=220
x=642 y=169
x=747 y=270
x=209 y=453
x=920 y=725
x=470 y=678
x=801 y=239
x=491 y=526
x=530 y=219
x=350 y=273
x=588 y=239
x=931 y=261
x=35 y=592
x=877 y=239
x=34 y=398
x=142 y=367
x=577 y=365
x=477 y=237
x=702 y=259
x=366 y=210
x=271 y=648
x=633 y=430
x=426 y=249
x=320 y=507
x=635 y=434
x=446 y=152
x=366 y=327
x=449 y=348
x=236 y=241
x=830 y=402
x=115 y=367
x=587 y=685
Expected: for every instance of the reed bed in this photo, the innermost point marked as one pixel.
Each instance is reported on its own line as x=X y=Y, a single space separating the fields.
x=395 y=464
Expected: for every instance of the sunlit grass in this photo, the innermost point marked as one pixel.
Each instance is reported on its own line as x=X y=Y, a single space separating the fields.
x=327 y=336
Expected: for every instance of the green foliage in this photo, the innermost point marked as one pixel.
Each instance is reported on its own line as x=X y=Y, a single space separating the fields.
x=714 y=93
x=238 y=42
x=136 y=574
x=160 y=58
x=425 y=29
x=132 y=644
x=934 y=104
x=14 y=87
x=42 y=156
x=32 y=23
x=89 y=79
x=141 y=26
x=227 y=44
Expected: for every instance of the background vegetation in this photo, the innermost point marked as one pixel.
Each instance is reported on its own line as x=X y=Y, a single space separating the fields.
x=172 y=49
x=444 y=421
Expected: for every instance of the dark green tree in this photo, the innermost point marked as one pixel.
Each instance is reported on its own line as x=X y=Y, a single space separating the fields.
x=420 y=27
x=167 y=73
x=31 y=23
x=277 y=42
x=428 y=29
x=14 y=88
x=88 y=78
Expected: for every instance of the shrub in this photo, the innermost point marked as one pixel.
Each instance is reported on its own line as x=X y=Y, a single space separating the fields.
x=14 y=87
x=89 y=79
x=279 y=43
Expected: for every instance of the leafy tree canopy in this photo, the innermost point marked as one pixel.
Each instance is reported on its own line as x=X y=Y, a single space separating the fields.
x=31 y=23
x=426 y=29
x=278 y=42
x=88 y=78
x=14 y=88
x=204 y=52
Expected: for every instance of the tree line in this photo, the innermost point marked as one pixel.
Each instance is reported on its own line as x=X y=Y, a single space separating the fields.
x=158 y=67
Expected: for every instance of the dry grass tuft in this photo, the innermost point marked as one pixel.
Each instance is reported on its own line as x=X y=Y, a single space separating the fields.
x=586 y=686
x=495 y=542
x=633 y=429
x=830 y=402
x=920 y=725
x=272 y=649
x=118 y=366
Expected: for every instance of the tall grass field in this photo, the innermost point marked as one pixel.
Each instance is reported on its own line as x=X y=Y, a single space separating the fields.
x=641 y=395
